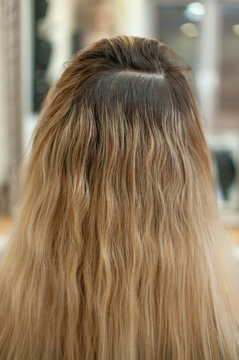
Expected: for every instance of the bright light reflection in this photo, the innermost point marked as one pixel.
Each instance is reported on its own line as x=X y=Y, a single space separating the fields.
x=194 y=11
x=189 y=29
x=235 y=29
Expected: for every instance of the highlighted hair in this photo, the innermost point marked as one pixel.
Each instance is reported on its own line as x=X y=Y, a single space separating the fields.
x=118 y=251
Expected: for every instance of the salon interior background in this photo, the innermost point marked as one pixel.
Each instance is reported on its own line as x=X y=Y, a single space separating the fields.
x=38 y=36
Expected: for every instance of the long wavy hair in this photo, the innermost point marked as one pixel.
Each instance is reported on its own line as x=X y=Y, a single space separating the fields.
x=117 y=251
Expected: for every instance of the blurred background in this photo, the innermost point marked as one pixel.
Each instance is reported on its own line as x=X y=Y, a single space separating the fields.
x=37 y=37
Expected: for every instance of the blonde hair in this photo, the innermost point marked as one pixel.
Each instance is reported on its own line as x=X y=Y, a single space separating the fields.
x=118 y=251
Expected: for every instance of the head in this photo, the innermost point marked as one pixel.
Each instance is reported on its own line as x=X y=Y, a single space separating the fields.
x=118 y=251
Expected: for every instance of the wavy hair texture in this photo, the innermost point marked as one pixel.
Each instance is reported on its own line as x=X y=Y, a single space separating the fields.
x=117 y=250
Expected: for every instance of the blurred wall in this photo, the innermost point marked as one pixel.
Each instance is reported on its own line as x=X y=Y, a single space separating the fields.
x=10 y=103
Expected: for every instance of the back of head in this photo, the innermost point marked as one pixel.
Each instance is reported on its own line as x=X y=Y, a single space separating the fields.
x=118 y=251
